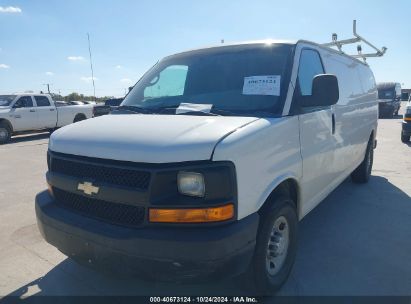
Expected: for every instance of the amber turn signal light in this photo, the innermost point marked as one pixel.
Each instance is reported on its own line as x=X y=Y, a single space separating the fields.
x=193 y=215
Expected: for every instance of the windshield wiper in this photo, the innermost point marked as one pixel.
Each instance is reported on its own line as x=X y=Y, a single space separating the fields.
x=135 y=109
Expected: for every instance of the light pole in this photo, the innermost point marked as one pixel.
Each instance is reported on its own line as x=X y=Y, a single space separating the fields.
x=48 y=87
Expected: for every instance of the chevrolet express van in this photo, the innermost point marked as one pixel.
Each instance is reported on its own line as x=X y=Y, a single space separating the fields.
x=210 y=162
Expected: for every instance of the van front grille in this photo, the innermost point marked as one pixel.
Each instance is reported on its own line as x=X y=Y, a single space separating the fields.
x=120 y=176
x=119 y=214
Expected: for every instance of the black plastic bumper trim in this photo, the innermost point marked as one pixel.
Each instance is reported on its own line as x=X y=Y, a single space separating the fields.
x=198 y=251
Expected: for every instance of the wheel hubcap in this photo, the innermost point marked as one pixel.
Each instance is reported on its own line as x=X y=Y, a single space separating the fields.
x=277 y=247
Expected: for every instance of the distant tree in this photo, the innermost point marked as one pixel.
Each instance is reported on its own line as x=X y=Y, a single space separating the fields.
x=76 y=96
x=56 y=96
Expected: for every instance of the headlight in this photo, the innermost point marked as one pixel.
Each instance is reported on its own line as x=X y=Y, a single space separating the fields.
x=191 y=183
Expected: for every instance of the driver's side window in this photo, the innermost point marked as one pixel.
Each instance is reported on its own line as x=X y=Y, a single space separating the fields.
x=24 y=102
x=170 y=82
x=310 y=65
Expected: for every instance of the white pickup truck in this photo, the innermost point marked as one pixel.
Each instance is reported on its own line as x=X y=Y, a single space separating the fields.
x=28 y=112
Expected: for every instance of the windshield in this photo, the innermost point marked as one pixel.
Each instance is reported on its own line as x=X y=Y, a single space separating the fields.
x=6 y=100
x=244 y=80
x=386 y=94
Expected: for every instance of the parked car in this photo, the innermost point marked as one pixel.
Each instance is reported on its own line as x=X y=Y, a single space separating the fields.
x=229 y=148
x=389 y=99
x=60 y=103
x=89 y=102
x=406 y=124
x=114 y=103
x=75 y=103
x=28 y=112
x=101 y=109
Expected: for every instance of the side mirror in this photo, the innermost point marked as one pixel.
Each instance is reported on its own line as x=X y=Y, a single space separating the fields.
x=325 y=91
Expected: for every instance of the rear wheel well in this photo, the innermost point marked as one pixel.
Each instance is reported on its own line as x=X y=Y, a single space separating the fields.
x=79 y=117
x=7 y=124
x=289 y=188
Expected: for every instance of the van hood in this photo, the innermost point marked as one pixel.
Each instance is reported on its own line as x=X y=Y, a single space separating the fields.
x=146 y=138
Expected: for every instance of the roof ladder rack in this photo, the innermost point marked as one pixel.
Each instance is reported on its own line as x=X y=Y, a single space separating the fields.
x=357 y=38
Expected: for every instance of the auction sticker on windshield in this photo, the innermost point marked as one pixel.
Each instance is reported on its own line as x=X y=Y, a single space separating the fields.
x=262 y=85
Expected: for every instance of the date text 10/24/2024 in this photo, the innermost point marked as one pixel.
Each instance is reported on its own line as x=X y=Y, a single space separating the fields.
x=239 y=299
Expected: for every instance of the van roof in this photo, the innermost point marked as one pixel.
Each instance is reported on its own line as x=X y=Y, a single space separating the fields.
x=263 y=42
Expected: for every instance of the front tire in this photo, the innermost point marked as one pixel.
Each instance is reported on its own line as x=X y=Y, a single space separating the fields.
x=5 y=134
x=362 y=174
x=405 y=138
x=276 y=247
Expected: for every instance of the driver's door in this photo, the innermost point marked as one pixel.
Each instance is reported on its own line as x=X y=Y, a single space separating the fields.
x=24 y=115
x=316 y=135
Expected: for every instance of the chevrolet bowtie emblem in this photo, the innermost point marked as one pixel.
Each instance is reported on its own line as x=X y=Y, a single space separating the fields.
x=88 y=188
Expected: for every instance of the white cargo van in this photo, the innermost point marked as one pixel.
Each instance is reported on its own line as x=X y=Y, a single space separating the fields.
x=210 y=162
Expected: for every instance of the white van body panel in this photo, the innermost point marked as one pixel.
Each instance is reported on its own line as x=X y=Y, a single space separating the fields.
x=265 y=153
x=146 y=138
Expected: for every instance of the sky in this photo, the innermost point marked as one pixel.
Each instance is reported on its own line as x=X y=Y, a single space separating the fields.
x=45 y=41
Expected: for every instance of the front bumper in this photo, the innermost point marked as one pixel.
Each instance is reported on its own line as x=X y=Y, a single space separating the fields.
x=386 y=108
x=162 y=253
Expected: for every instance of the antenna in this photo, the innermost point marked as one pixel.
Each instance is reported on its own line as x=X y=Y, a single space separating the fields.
x=91 y=66
x=357 y=38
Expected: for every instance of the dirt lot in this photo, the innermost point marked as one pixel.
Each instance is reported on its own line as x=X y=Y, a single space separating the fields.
x=356 y=242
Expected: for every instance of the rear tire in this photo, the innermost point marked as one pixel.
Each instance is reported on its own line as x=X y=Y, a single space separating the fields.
x=405 y=138
x=275 y=249
x=362 y=174
x=5 y=134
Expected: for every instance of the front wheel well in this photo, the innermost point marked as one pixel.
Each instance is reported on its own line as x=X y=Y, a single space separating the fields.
x=289 y=188
x=7 y=123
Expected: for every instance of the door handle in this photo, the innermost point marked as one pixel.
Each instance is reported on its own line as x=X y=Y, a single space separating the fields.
x=52 y=110
x=333 y=123
x=32 y=110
